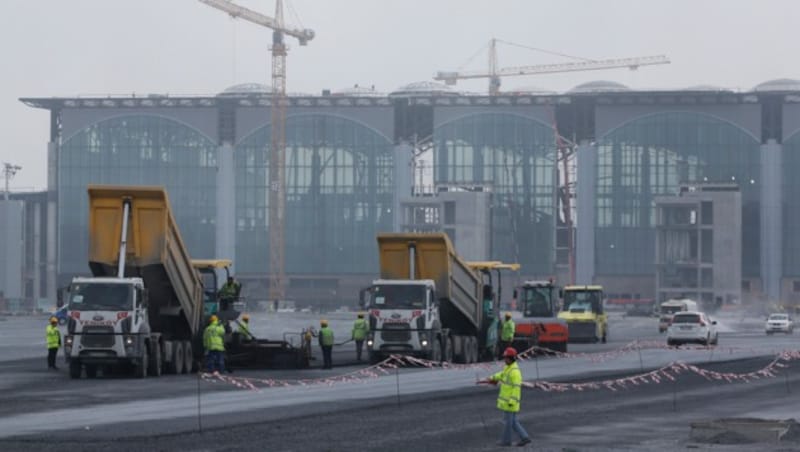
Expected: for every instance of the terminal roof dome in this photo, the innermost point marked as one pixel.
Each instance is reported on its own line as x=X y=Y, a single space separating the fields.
x=246 y=89
x=358 y=91
x=780 y=84
x=425 y=87
x=535 y=90
x=711 y=88
x=599 y=86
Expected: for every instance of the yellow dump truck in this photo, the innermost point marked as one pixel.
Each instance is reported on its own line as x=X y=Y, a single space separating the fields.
x=429 y=302
x=142 y=308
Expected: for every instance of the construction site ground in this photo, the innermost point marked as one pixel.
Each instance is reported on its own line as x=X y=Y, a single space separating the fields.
x=408 y=409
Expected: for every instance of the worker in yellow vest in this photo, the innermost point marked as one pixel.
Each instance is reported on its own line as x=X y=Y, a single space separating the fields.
x=326 y=343
x=506 y=333
x=360 y=330
x=509 y=397
x=53 y=342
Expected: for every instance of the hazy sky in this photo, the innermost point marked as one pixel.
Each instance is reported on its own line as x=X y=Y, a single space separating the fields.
x=72 y=47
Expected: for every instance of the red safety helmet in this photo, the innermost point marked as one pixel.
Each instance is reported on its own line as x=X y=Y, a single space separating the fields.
x=510 y=352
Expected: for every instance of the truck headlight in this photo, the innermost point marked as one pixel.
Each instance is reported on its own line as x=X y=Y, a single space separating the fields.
x=369 y=342
x=424 y=342
x=128 y=341
x=68 y=341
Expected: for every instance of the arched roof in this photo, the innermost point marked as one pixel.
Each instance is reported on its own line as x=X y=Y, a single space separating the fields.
x=357 y=91
x=779 y=84
x=246 y=89
x=424 y=87
x=536 y=90
x=710 y=88
x=599 y=86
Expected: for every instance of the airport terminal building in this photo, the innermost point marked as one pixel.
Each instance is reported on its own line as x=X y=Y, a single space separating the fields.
x=349 y=162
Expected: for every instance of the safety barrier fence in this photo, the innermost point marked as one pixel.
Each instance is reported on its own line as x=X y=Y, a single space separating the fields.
x=670 y=371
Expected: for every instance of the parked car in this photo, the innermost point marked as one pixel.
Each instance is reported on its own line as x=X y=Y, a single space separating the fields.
x=692 y=326
x=779 y=323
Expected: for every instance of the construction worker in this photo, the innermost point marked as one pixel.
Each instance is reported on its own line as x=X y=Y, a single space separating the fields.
x=53 y=343
x=360 y=330
x=244 y=328
x=507 y=333
x=229 y=293
x=508 y=399
x=213 y=340
x=326 y=343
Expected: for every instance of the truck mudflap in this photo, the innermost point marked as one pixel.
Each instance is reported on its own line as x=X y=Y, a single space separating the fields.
x=583 y=332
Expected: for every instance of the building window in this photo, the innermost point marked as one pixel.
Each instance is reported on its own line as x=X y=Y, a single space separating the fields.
x=795 y=286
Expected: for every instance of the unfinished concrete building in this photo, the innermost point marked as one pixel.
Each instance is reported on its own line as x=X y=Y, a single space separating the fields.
x=698 y=244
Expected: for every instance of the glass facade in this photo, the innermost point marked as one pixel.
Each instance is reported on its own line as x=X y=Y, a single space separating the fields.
x=516 y=157
x=339 y=189
x=650 y=157
x=137 y=150
x=791 y=206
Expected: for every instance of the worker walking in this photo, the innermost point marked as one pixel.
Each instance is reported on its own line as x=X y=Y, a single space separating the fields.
x=507 y=333
x=326 y=343
x=360 y=330
x=508 y=400
x=213 y=340
x=53 y=342
x=244 y=328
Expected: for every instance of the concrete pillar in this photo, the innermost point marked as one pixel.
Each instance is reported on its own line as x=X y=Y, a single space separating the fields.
x=52 y=263
x=36 y=269
x=771 y=219
x=586 y=212
x=403 y=181
x=226 y=205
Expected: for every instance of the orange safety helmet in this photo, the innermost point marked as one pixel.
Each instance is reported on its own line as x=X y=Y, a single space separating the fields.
x=213 y=319
x=245 y=317
x=508 y=315
x=510 y=352
x=53 y=320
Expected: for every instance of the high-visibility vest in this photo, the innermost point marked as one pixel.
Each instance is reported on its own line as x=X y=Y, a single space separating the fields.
x=244 y=329
x=53 y=337
x=326 y=337
x=360 y=329
x=510 y=381
x=507 y=335
x=213 y=337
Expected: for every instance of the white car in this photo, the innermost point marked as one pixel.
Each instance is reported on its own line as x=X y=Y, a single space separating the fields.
x=779 y=323
x=692 y=326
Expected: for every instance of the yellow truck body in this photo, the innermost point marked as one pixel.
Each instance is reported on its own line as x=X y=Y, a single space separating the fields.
x=155 y=251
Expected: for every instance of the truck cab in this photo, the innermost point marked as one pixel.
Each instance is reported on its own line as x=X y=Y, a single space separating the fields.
x=108 y=320
x=584 y=313
x=213 y=274
x=403 y=318
x=540 y=326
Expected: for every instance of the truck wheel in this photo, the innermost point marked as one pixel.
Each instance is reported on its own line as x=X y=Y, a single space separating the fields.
x=459 y=349
x=140 y=368
x=176 y=366
x=91 y=371
x=74 y=369
x=188 y=357
x=155 y=361
x=436 y=351
x=473 y=349
x=605 y=333
x=447 y=348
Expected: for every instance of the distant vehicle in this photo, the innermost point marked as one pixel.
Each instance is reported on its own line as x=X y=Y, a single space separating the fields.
x=583 y=311
x=692 y=326
x=670 y=307
x=540 y=325
x=779 y=323
x=62 y=314
x=286 y=306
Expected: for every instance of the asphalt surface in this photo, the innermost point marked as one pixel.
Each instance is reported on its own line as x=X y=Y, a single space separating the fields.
x=422 y=409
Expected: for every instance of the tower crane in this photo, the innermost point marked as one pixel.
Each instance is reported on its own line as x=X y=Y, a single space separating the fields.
x=564 y=147
x=277 y=156
x=494 y=74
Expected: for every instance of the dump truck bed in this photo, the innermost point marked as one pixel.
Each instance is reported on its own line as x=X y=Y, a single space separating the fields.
x=437 y=260
x=155 y=252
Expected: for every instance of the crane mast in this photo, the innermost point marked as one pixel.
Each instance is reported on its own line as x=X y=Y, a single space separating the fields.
x=277 y=151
